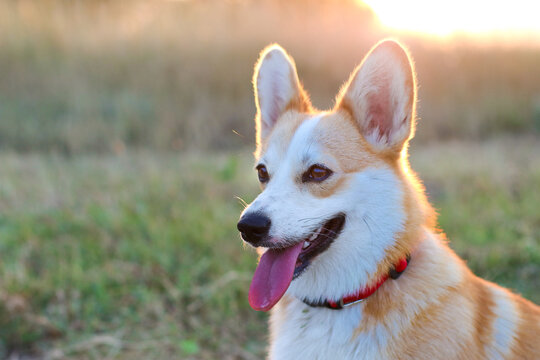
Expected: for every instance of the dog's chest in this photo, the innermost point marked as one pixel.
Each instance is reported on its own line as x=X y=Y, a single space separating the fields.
x=301 y=332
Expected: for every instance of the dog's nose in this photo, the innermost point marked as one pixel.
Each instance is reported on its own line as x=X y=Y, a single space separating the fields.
x=254 y=227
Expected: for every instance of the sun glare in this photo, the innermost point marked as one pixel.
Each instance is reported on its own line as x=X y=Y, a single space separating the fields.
x=458 y=16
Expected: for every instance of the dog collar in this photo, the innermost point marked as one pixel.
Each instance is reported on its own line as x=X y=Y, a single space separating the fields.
x=362 y=294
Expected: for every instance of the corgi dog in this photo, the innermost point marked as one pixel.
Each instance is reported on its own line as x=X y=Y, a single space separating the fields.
x=351 y=263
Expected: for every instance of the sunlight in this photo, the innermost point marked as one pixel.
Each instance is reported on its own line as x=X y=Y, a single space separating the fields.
x=459 y=16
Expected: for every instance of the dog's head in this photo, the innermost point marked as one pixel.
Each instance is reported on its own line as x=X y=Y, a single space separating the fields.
x=334 y=207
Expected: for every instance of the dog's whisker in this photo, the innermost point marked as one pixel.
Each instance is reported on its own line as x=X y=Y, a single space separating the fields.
x=241 y=201
x=311 y=218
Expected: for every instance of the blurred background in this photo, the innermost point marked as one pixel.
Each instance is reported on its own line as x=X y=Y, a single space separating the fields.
x=126 y=133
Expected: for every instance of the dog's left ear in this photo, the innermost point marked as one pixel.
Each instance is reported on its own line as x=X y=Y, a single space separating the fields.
x=381 y=95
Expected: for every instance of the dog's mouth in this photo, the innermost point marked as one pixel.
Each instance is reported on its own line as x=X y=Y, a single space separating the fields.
x=318 y=242
x=278 y=266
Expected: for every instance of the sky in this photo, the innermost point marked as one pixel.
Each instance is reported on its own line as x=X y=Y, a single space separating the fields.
x=473 y=17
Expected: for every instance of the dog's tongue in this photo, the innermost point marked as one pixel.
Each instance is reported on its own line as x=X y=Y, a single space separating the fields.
x=273 y=276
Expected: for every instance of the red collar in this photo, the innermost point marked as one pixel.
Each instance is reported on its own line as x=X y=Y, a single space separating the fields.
x=362 y=294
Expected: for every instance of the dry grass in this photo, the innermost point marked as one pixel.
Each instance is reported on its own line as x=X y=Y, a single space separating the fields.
x=100 y=76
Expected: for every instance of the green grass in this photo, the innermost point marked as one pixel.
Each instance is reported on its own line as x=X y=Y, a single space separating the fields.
x=137 y=256
x=141 y=248
x=488 y=203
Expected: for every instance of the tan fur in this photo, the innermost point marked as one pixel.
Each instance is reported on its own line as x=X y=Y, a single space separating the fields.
x=350 y=150
x=425 y=335
x=339 y=136
x=282 y=133
x=482 y=299
x=527 y=344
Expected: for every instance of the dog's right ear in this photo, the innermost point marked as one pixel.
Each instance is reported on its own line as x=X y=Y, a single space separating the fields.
x=277 y=89
x=381 y=96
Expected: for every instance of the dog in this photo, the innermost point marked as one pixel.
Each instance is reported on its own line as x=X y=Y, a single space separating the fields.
x=352 y=264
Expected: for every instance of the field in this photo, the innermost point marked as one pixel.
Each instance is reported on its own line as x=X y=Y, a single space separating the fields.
x=126 y=132
x=100 y=78
x=137 y=255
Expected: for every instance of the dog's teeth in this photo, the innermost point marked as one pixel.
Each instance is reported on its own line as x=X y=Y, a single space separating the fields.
x=306 y=244
x=315 y=234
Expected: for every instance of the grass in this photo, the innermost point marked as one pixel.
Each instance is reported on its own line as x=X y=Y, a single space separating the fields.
x=88 y=76
x=137 y=256
x=124 y=246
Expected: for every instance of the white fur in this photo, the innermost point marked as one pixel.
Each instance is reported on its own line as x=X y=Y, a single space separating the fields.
x=372 y=203
x=309 y=333
x=504 y=326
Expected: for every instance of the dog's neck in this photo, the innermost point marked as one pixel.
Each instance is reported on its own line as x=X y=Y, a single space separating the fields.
x=363 y=293
x=430 y=262
x=433 y=273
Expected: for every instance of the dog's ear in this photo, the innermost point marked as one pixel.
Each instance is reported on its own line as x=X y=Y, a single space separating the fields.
x=381 y=95
x=277 y=89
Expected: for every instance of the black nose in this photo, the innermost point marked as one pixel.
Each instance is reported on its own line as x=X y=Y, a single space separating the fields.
x=254 y=228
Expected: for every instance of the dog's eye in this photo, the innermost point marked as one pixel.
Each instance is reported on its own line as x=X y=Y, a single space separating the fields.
x=263 y=173
x=316 y=173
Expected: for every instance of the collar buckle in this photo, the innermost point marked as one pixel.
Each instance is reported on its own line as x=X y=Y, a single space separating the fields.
x=344 y=305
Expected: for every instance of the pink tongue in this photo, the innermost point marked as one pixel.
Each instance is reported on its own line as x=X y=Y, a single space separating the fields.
x=273 y=276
